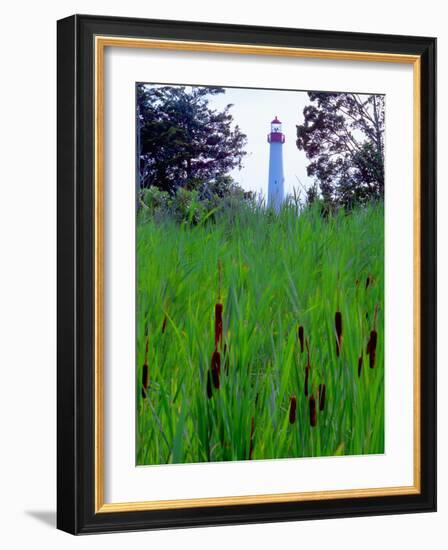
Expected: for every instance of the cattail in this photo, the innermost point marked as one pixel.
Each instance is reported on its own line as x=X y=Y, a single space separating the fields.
x=164 y=324
x=145 y=372
x=313 y=416
x=216 y=368
x=338 y=326
x=209 y=385
x=300 y=334
x=145 y=380
x=292 y=409
x=371 y=348
x=307 y=374
x=368 y=281
x=322 y=391
x=218 y=324
x=359 y=365
x=251 y=442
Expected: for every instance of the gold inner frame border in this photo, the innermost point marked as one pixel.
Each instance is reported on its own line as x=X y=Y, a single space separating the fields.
x=101 y=42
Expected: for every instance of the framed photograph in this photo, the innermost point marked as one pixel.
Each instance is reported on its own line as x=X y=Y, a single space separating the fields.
x=246 y=274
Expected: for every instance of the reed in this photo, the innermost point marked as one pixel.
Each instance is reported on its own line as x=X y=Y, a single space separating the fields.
x=281 y=273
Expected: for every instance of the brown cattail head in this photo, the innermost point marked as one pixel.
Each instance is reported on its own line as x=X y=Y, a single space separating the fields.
x=292 y=409
x=300 y=335
x=209 y=385
x=359 y=365
x=338 y=327
x=307 y=375
x=322 y=392
x=368 y=281
x=251 y=442
x=145 y=380
x=218 y=324
x=313 y=415
x=216 y=368
x=164 y=324
x=371 y=348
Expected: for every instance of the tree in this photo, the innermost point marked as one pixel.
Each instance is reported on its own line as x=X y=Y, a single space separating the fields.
x=343 y=136
x=182 y=142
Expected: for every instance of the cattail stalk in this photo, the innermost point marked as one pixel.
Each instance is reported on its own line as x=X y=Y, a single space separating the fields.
x=226 y=358
x=322 y=392
x=219 y=279
x=292 y=409
x=313 y=415
x=338 y=327
x=218 y=324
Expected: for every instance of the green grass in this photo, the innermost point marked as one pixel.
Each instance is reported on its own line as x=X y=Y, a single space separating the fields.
x=278 y=272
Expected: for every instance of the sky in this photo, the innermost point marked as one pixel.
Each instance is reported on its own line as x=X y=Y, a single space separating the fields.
x=253 y=110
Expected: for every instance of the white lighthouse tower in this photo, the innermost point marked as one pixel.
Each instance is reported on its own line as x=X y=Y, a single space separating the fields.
x=276 y=192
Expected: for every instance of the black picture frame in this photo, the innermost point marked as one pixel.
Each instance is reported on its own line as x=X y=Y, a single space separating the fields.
x=76 y=263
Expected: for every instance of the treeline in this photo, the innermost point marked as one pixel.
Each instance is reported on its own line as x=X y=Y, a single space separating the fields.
x=343 y=137
x=186 y=150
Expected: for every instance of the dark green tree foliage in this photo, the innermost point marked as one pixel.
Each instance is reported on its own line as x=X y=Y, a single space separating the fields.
x=343 y=137
x=182 y=142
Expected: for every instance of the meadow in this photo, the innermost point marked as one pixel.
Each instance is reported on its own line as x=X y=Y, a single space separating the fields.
x=260 y=336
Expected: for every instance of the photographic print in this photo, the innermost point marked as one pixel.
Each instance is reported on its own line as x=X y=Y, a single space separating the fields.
x=259 y=273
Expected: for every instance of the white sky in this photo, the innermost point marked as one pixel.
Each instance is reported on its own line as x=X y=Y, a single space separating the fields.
x=253 y=110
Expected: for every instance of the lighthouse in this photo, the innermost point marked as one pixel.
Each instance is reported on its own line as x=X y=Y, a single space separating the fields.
x=276 y=139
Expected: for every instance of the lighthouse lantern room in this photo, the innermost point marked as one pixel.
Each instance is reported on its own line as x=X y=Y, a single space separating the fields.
x=276 y=139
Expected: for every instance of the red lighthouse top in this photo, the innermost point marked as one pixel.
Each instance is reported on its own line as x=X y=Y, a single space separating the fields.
x=276 y=134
